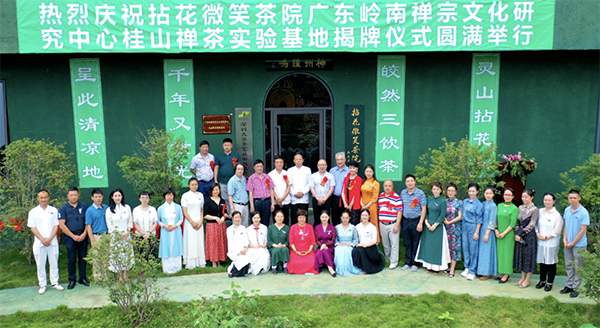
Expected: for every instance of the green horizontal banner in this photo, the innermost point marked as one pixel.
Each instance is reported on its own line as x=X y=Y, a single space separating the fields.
x=62 y=26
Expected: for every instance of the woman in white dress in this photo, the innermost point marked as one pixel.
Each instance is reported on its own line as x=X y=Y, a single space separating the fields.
x=119 y=220
x=237 y=245
x=258 y=253
x=192 y=204
x=548 y=228
x=170 y=218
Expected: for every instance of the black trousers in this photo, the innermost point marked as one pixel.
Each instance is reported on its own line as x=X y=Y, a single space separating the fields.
x=411 y=237
x=295 y=208
x=547 y=269
x=336 y=210
x=317 y=209
x=76 y=252
x=263 y=207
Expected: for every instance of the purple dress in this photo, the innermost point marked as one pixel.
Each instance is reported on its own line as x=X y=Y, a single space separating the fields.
x=453 y=207
x=327 y=237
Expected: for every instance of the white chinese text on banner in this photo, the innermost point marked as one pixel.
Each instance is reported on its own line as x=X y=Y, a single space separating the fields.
x=485 y=80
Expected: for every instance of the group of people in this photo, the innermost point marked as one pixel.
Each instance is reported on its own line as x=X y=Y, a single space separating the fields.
x=351 y=217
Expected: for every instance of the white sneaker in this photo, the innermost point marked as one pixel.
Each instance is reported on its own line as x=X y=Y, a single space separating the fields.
x=470 y=276
x=42 y=290
x=465 y=272
x=405 y=267
x=58 y=287
x=414 y=268
x=393 y=266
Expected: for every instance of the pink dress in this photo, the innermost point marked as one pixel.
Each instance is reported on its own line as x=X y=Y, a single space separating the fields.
x=303 y=239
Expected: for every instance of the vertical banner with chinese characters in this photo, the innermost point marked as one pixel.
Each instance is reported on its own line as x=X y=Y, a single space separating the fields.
x=356 y=139
x=243 y=137
x=483 y=121
x=179 y=106
x=390 y=117
x=89 y=122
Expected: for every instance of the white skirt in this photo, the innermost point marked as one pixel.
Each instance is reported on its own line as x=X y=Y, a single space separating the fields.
x=171 y=264
x=547 y=255
x=260 y=259
x=445 y=255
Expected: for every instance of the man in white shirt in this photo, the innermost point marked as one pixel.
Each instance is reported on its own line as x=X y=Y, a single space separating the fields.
x=282 y=188
x=299 y=177
x=43 y=221
x=322 y=184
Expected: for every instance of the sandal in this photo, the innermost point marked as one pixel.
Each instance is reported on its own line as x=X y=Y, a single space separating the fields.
x=450 y=275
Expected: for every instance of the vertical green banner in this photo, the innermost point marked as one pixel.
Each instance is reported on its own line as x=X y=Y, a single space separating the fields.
x=89 y=122
x=483 y=121
x=390 y=117
x=355 y=141
x=179 y=106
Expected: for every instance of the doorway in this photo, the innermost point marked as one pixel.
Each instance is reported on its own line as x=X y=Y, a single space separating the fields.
x=298 y=118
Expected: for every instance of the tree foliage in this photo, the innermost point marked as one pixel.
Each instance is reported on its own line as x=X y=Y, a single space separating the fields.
x=29 y=166
x=461 y=164
x=156 y=165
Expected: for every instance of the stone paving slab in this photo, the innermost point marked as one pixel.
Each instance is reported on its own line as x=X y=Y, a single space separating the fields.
x=387 y=282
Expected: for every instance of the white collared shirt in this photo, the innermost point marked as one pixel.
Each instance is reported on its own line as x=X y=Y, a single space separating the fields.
x=44 y=220
x=281 y=185
x=300 y=182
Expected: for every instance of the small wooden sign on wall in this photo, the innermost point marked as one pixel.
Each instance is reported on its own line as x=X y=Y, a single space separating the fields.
x=216 y=124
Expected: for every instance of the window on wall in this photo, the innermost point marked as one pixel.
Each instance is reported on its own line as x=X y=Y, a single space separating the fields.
x=3 y=116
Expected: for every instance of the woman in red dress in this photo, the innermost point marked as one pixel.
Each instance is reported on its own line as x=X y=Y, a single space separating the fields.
x=351 y=192
x=302 y=242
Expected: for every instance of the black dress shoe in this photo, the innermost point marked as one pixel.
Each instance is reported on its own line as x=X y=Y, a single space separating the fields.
x=566 y=290
x=84 y=282
x=498 y=278
x=503 y=281
x=574 y=293
x=540 y=284
x=548 y=287
x=71 y=285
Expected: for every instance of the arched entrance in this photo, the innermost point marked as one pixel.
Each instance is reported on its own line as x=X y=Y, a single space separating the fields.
x=298 y=115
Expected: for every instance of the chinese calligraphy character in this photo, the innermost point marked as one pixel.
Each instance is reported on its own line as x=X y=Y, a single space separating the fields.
x=91 y=148
x=525 y=12
x=239 y=14
x=94 y=172
x=388 y=166
x=105 y=12
x=472 y=35
x=133 y=39
x=88 y=123
x=447 y=12
x=396 y=13
x=483 y=138
x=389 y=119
x=101 y=39
x=179 y=73
x=485 y=118
x=133 y=13
x=344 y=37
x=85 y=74
x=80 y=37
x=189 y=18
x=266 y=39
x=318 y=38
x=497 y=34
x=526 y=34
x=180 y=121
x=52 y=36
x=50 y=14
x=421 y=12
x=484 y=96
x=369 y=35
x=213 y=15
x=265 y=15
x=390 y=95
x=78 y=10
x=389 y=143
x=213 y=39
x=183 y=171
x=312 y=9
x=420 y=36
x=397 y=33
x=472 y=10
x=160 y=44
x=292 y=38
x=389 y=71
x=180 y=99
x=485 y=67
x=159 y=19
x=342 y=14
x=238 y=40
x=188 y=38
x=499 y=12
x=292 y=14
x=85 y=98
x=446 y=36
x=370 y=13
x=355 y=112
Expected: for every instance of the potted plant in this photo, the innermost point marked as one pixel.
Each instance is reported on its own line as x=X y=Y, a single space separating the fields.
x=514 y=171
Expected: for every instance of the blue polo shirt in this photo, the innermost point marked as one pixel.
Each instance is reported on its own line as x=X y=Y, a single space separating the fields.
x=237 y=189
x=407 y=199
x=96 y=218
x=74 y=216
x=573 y=223
x=339 y=176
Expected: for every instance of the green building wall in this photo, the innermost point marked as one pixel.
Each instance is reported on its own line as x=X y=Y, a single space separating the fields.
x=548 y=102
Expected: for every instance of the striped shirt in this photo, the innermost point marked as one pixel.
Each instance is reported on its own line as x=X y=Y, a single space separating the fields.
x=389 y=206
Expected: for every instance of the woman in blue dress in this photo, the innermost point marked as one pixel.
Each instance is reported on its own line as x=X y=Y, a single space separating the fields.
x=487 y=263
x=170 y=218
x=471 y=224
x=346 y=240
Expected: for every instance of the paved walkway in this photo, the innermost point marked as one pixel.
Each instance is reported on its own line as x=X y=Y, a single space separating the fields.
x=187 y=288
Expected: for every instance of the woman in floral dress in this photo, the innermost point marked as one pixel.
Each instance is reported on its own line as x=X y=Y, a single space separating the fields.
x=453 y=226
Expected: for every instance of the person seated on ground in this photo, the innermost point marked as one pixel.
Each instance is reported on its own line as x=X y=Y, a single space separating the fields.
x=302 y=243
x=258 y=254
x=237 y=246
x=170 y=218
x=345 y=241
x=365 y=255
x=278 y=242
x=325 y=234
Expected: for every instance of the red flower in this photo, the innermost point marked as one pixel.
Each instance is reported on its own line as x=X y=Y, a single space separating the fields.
x=324 y=181
x=285 y=177
x=234 y=161
x=352 y=184
x=212 y=165
x=268 y=183
x=414 y=203
x=17 y=223
x=1 y=225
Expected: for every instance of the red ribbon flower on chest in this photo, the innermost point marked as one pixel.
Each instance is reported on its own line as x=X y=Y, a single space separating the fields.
x=414 y=203
x=234 y=161
x=285 y=178
x=212 y=165
x=268 y=183
x=352 y=184
x=324 y=181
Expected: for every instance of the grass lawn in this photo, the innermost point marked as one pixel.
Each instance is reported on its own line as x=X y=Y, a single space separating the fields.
x=348 y=311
